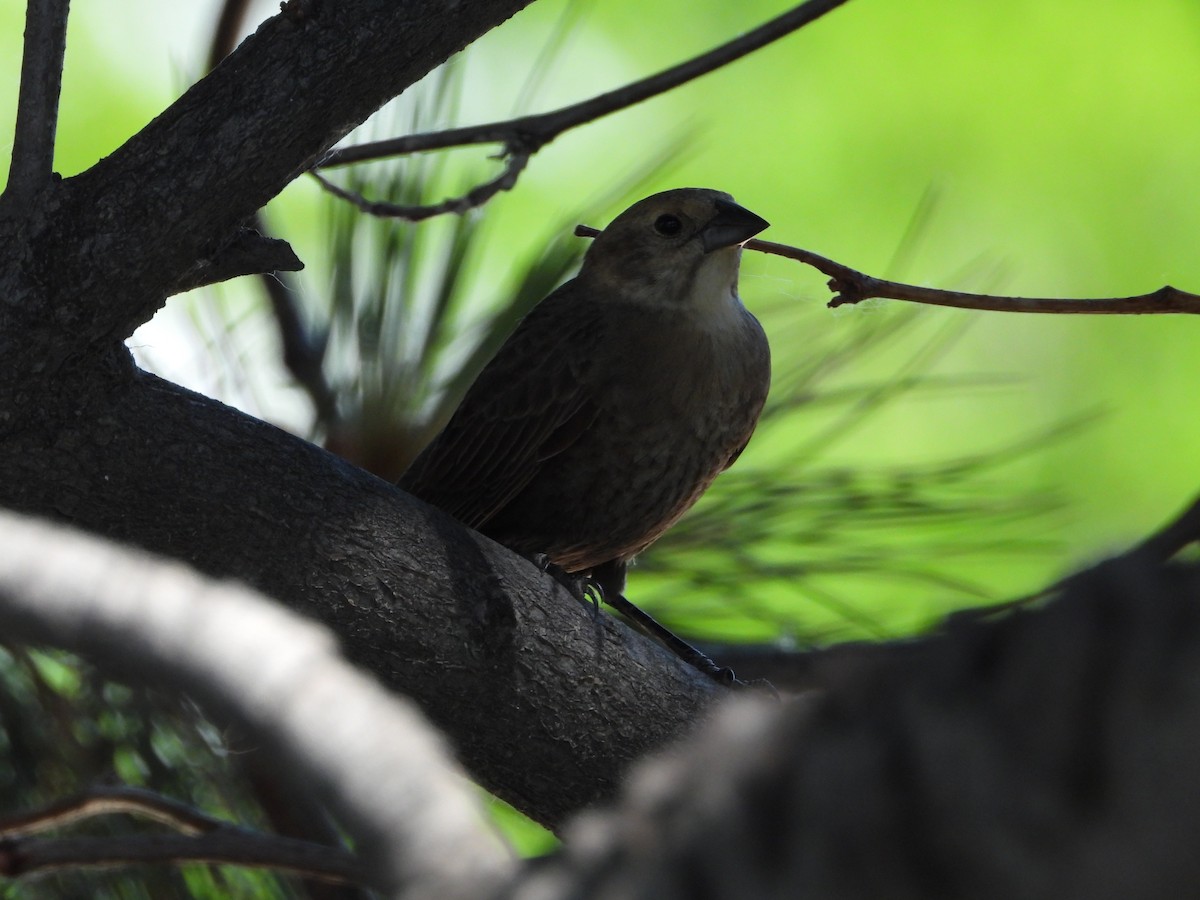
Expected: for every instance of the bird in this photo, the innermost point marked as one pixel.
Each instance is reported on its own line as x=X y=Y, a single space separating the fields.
x=617 y=400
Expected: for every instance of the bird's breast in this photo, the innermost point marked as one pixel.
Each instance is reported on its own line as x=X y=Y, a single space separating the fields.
x=673 y=372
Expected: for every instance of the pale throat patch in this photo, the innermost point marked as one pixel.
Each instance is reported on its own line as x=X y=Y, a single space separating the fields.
x=714 y=301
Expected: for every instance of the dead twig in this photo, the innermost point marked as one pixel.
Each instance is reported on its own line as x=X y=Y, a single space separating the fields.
x=477 y=196
x=524 y=136
x=852 y=286
x=103 y=801
x=227 y=846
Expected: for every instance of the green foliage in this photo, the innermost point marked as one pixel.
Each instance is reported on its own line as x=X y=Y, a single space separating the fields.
x=65 y=729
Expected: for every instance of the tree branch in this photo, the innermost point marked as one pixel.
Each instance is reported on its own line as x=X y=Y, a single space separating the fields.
x=104 y=801
x=852 y=286
x=367 y=754
x=209 y=840
x=496 y=653
x=249 y=253
x=37 y=104
x=524 y=136
x=228 y=846
x=477 y=196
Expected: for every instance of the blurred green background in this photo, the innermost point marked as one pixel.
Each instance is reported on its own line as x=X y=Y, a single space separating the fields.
x=922 y=457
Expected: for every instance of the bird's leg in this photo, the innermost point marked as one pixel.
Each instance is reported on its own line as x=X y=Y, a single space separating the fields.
x=694 y=657
x=609 y=577
x=607 y=582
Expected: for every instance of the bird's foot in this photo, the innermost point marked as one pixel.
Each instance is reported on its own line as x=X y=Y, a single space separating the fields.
x=582 y=587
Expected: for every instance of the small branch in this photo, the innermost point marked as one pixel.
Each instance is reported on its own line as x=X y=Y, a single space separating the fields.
x=851 y=286
x=249 y=253
x=37 y=105
x=103 y=801
x=228 y=846
x=477 y=196
x=224 y=37
x=538 y=130
x=1165 y=543
x=524 y=136
x=303 y=351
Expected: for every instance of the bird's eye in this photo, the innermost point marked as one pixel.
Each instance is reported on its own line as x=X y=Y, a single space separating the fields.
x=668 y=225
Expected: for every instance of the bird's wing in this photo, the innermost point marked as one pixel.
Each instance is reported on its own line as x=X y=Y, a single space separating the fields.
x=528 y=404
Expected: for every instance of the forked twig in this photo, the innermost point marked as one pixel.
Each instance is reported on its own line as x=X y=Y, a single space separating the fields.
x=524 y=136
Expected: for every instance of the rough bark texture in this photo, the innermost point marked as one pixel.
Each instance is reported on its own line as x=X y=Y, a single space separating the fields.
x=545 y=703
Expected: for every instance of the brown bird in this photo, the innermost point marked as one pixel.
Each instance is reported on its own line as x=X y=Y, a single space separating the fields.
x=617 y=400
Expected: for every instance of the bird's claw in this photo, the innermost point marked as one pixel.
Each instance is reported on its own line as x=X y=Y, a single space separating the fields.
x=583 y=588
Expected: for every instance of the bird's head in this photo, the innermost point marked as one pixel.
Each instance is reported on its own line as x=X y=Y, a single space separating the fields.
x=680 y=247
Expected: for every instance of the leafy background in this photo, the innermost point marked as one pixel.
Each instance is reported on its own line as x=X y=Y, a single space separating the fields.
x=916 y=460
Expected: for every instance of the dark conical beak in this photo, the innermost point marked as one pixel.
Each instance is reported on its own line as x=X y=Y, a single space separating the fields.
x=731 y=225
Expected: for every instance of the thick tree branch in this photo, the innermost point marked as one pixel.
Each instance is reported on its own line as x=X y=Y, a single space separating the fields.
x=369 y=755
x=37 y=102
x=546 y=703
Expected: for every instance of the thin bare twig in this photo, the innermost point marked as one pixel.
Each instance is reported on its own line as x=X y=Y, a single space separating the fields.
x=851 y=286
x=524 y=136
x=37 y=104
x=226 y=846
x=477 y=196
x=103 y=801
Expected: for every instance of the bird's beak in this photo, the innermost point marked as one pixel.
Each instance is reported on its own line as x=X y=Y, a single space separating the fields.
x=731 y=225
